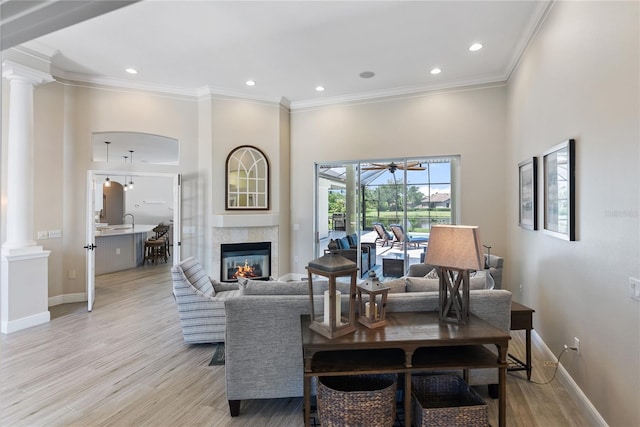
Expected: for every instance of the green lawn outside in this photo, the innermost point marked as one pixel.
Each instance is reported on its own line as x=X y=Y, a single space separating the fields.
x=418 y=219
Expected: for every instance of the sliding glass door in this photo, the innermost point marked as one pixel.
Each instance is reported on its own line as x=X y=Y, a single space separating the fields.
x=403 y=197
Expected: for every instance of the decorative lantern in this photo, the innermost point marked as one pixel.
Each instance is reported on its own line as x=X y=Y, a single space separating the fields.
x=333 y=324
x=372 y=297
x=456 y=249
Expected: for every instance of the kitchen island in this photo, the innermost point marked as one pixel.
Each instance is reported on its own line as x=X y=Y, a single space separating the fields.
x=120 y=247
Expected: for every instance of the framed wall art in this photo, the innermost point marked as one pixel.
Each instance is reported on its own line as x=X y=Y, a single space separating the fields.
x=559 y=190
x=528 y=194
x=247 y=179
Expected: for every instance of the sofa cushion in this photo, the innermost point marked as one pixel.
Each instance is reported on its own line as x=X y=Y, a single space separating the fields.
x=477 y=281
x=196 y=276
x=353 y=240
x=422 y=284
x=397 y=285
x=272 y=287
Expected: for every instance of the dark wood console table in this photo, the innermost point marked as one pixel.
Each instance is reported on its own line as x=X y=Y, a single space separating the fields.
x=522 y=318
x=409 y=343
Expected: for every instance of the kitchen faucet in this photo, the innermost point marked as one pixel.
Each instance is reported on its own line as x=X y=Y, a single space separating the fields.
x=133 y=219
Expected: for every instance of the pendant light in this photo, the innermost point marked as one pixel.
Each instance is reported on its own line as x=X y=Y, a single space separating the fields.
x=107 y=181
x=131 y=181
x=126 y=188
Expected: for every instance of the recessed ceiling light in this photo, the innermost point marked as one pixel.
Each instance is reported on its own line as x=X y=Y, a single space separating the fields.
x=476 y=46
x=131 y=71
x=367 y=74
x=250 y=83
x=319 y=88
x=436 y=71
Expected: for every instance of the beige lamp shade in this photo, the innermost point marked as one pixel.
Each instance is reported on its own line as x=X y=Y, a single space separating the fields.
x=455 y=246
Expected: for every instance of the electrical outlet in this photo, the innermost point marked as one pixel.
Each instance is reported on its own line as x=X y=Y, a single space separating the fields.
x=72 y=274
x=634 y=288
x=42 y=235
x=55 y=234
x=117 y=251
x=576 y=344
x=521 y=287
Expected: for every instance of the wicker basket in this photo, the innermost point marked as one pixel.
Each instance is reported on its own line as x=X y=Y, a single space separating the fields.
x=358 y=400
x=447 y=401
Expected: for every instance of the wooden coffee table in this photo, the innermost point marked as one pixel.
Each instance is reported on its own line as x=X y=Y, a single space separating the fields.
x=409 y=343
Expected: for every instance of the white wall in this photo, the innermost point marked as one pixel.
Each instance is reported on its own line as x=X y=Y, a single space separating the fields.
x=65 y=116
x=470 y=122
x=580 y=79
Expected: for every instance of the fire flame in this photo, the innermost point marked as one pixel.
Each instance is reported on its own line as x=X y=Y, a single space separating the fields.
x=244 y=271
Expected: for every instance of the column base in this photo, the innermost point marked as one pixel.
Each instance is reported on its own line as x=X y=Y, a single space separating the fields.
x=24 y=288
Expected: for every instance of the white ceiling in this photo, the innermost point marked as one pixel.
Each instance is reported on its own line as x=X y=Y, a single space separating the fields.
x=289 y=48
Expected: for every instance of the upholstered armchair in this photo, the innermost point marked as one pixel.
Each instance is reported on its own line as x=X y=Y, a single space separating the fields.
x=200 y=302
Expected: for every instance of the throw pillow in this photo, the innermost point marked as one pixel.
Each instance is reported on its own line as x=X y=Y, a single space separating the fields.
x=344 y=243
x=353 y=240
x=433 y=274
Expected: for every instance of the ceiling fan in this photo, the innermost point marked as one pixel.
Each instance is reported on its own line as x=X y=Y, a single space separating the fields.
x=393 y=167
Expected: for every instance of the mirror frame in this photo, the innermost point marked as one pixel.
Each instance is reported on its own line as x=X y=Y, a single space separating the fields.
x=252 y=163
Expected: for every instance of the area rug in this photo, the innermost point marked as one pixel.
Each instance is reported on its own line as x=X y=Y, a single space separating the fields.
x=218 y=355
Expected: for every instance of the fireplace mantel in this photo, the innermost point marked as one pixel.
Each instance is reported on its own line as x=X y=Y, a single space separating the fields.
x=246 y=220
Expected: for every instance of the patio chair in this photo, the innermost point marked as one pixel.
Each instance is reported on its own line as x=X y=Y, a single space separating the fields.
x=383 y=234
x=401 y=237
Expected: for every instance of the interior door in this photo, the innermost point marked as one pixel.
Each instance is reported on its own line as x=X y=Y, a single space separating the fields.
x=177 y=218
x=91 y=240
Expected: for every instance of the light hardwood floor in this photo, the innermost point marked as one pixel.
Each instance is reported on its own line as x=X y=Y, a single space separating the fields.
x=126 y=364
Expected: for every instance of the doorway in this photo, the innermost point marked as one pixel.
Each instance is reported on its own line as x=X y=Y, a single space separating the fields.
x=166 y=202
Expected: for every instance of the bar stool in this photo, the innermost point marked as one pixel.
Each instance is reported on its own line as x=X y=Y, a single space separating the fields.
x=162 y=231
x=155 y=249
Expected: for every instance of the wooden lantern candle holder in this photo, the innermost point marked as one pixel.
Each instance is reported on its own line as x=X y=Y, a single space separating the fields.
x=333 y=266
x=372 y=297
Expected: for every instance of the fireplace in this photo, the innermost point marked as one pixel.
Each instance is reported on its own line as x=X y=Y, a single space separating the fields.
x=250 y=260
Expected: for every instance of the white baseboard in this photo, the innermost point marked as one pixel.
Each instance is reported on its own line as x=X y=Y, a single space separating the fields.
x=67 y=298
x=574 y=391
x=8 y=327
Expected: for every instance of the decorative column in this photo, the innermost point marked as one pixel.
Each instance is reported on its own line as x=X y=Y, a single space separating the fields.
x=24 y=283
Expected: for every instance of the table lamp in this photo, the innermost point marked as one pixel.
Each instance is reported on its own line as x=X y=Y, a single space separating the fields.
x=455 y=249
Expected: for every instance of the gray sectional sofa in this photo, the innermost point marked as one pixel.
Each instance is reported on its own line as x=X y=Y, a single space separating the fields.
x=263 y=349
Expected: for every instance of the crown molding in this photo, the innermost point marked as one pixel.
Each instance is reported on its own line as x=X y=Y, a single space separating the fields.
x=219 y=91
x=123 y=83
x=402 y=92
x=543 y=8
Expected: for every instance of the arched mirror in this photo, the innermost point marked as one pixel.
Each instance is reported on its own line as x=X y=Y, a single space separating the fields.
x=247 y=179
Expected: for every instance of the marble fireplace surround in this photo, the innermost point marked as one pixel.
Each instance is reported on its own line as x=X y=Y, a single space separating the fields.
x=244 y=228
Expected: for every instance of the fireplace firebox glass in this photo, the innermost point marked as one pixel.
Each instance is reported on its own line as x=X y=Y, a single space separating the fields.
x=249 y=260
